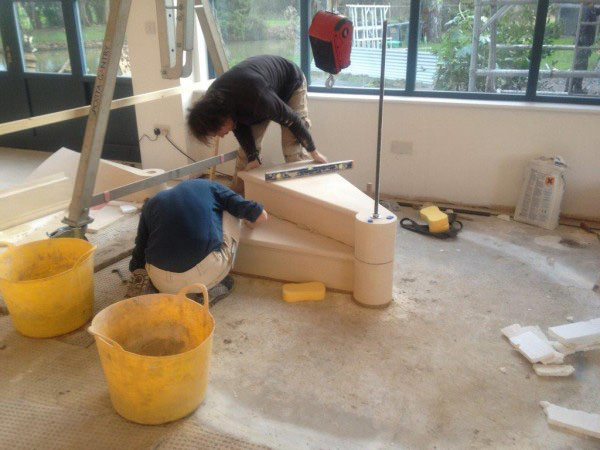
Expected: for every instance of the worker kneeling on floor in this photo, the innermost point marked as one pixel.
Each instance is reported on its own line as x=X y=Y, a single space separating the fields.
x=189 y=234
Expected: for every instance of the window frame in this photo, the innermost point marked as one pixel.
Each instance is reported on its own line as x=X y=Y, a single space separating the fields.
x=530 y=95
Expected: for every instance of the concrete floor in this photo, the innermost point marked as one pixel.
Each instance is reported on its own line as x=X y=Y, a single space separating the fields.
x=423 y=373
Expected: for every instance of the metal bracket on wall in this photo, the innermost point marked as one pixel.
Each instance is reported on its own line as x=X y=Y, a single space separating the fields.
x=175 y=26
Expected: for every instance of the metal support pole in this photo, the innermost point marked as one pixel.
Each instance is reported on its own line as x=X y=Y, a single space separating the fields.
x=380 y=118
x=569 y=83
x=490 y=82
x=95 y=130
x=212 y=36
x=475 y=47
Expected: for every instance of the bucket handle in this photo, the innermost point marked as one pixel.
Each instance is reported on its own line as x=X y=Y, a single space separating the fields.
x=202 y=287
x=105 y=338
x=85 y=255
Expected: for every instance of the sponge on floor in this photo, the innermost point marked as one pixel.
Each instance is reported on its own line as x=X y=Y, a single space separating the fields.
x=299 y=292
x=436 y=219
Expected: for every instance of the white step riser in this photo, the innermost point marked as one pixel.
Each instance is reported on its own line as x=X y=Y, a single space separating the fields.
x=336 y=224
x=261 y=260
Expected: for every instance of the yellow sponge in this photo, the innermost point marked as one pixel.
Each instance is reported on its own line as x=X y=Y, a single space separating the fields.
x=436 y=219
x=299 y=292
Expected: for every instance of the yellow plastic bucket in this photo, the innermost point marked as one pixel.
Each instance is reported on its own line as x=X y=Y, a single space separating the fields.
x=155 y=353
x=48 y=285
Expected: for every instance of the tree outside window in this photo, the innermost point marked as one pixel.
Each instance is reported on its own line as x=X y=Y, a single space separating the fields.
x=255 y=27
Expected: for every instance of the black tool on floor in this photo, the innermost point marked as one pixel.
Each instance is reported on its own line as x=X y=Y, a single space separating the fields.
x=120 y=274
x=455 y=227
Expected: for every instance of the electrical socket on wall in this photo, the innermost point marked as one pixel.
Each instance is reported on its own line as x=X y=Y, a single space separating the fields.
x=161 y=130
x=401 y=147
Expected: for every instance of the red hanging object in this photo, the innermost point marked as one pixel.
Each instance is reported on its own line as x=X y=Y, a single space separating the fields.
x=331 y=41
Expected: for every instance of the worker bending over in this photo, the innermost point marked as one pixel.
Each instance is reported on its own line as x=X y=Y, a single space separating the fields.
x=246 y=98
x=189 y=234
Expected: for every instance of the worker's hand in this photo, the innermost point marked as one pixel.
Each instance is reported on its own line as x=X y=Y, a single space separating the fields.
x=252 y=165
x=260 y=219
x=317 y=157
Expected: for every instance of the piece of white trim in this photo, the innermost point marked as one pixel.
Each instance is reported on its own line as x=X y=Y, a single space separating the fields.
x=572 y=419
x=535 y=349
x=578 y=334
x=553 y=370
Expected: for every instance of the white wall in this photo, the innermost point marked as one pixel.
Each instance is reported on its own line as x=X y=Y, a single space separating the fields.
x=465 y=152
x=171 y=112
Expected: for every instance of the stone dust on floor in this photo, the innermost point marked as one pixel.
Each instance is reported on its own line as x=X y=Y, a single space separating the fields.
x=422 y=373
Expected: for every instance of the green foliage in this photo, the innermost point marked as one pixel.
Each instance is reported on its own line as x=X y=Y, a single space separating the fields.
x=39 y=15
x=454 y=54
x=454 y=50
x=237 y=21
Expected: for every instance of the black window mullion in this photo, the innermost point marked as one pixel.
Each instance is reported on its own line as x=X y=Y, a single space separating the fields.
x=11 y=38
x=74 y=35
x=304 y=51
x=413 y=44
x=536 y=49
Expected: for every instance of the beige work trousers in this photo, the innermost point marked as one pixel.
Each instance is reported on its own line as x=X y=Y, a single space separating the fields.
x=292 y=150
x=210 y=271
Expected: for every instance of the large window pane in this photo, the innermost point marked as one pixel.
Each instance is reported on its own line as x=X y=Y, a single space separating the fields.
x=2 y=58
x=365 y=61
x=500 y=35
x=43 y=37
x=571 y=47
x=256 y=27
x=93 y=15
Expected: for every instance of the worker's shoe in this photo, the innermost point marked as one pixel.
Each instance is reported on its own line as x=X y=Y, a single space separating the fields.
x=221 y=290
x=139 y=284
x=215 y=293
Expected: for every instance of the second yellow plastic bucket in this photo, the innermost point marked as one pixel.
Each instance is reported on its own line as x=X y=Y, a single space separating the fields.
x=155 y=353
x=48 y=285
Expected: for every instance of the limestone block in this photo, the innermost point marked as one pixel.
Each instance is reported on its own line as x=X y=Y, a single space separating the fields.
x=375 y=239
x=110 y=174
x=33 y=199
x=373 y=283
x=280 y=250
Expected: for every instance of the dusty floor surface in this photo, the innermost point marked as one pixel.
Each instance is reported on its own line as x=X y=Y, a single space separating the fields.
x=423 y=373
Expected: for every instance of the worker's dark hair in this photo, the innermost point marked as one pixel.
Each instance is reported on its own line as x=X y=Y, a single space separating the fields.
x=207 y=115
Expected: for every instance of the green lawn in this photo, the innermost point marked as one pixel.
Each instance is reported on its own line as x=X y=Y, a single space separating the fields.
x=563 y=59
x=276 y=22
x=57 y=35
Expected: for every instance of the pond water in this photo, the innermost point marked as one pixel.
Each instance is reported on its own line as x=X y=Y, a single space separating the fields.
x=51 y=61
x=238 y=51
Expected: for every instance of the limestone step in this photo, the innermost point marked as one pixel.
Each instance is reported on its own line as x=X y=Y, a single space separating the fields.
x=326 y=204
x=281 y=250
